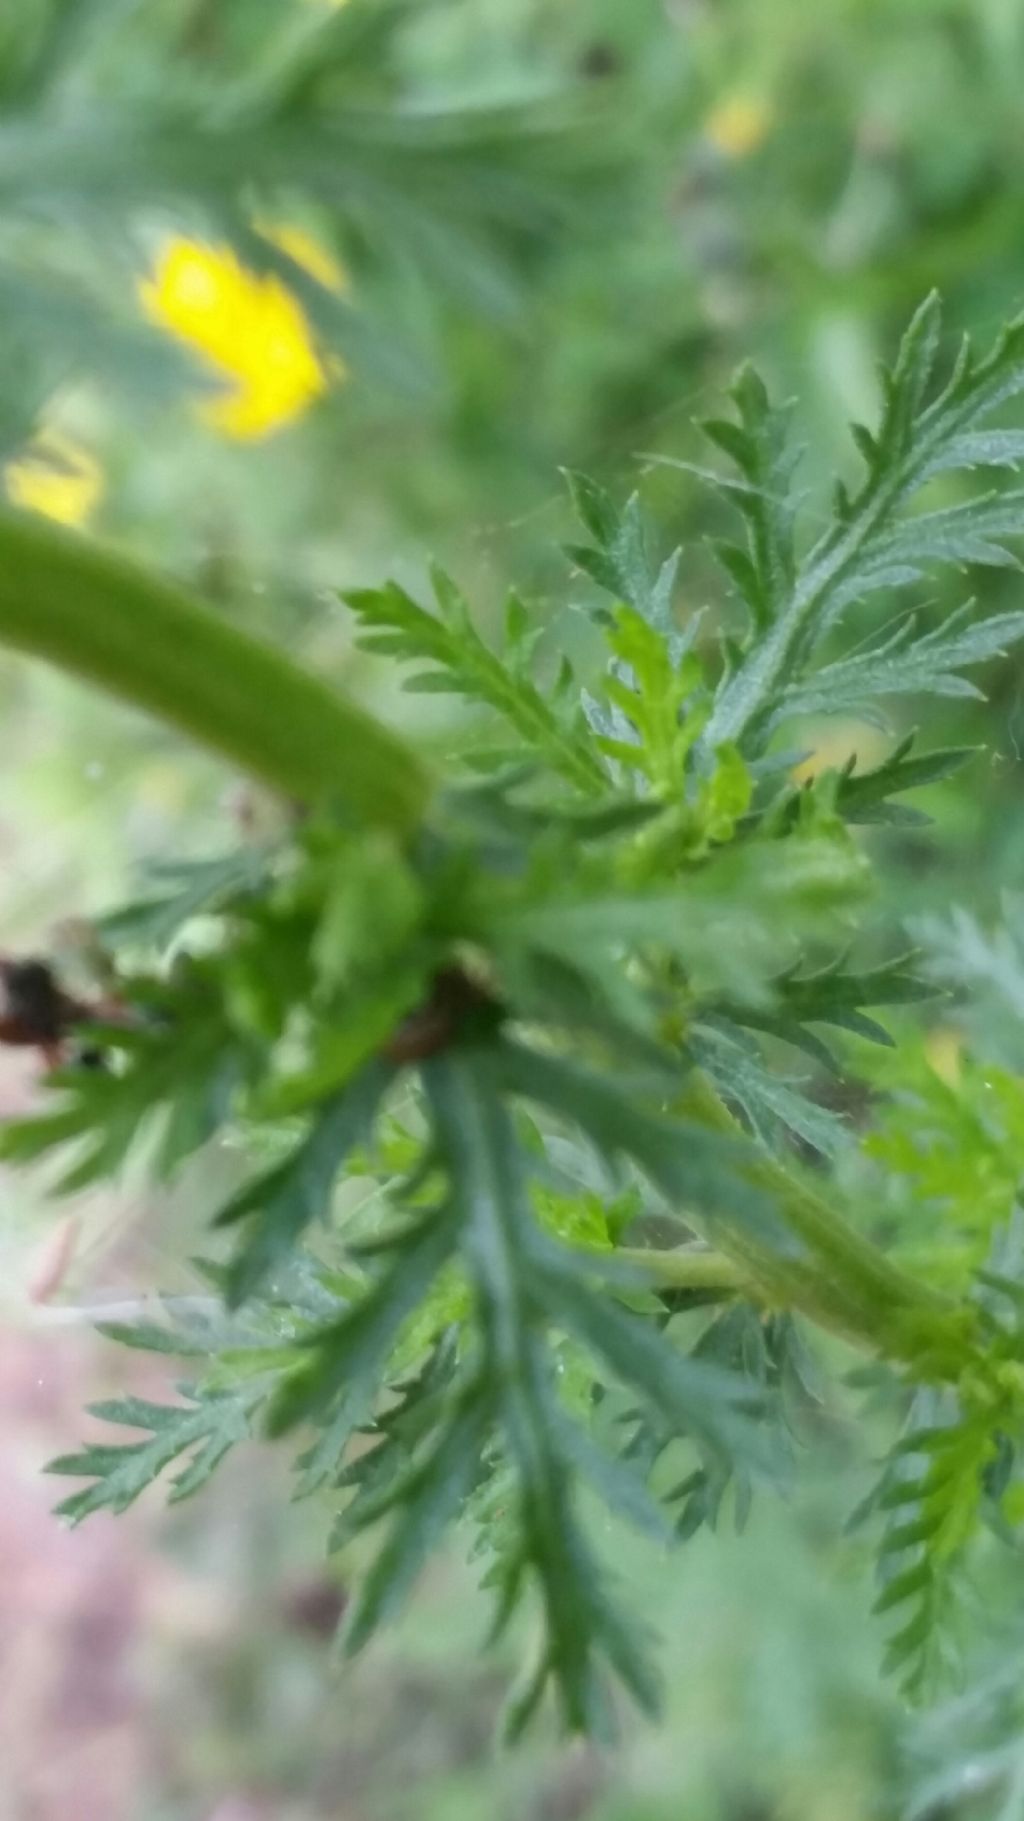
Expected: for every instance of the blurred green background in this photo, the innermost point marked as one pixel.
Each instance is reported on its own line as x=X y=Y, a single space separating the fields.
x=292 y=296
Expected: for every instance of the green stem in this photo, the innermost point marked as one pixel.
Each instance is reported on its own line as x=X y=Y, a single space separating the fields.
x=99 y=617
x=809 y=1216
x=687 y=1268
x=933 y=1339
x=845 y=1282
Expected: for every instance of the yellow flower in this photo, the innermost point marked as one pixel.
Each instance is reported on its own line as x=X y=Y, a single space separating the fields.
x=836 y=745
x=943 y=1048
x=247 y=325
x=307 y=252
x=57 y=477
x=738 y=125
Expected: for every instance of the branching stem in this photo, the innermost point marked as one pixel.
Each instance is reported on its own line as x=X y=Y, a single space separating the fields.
x=100 y=618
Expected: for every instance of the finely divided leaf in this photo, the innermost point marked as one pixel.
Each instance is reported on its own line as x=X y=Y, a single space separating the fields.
x=872 y=543
x=203 y=1429
x=278 y=1207
x=907 y=663
x=621 y=561
x=461 y=664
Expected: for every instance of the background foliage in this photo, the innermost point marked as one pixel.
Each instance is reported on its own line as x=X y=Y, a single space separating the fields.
x=565 y=280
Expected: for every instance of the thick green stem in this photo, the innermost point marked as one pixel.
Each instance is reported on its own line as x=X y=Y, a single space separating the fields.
x=838 y=1279
x=843 y=1281
x=99 y=617
x=933 y=1339
x=687 y=1268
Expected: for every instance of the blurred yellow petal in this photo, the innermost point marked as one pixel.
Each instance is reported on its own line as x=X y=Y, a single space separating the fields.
x=737 y=126
x=836 y=745
x=308 y=253
x=943 y=1048
x=248 y=325
x=57 y=477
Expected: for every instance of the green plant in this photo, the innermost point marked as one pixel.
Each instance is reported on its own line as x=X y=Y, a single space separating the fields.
x=540 y=1008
